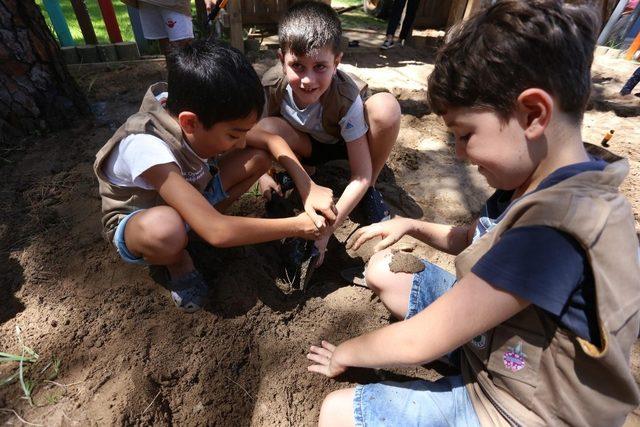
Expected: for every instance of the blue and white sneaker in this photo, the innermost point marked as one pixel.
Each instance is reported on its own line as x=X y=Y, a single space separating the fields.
x=189 y=292
x=374 y=207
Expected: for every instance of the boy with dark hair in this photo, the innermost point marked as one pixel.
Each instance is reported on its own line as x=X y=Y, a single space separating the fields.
x=181 y=160
x=317 y=113
x=545 y=305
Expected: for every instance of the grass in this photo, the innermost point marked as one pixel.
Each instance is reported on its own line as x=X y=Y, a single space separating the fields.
x=356 y=18
x=29 y=371
x=96 y=17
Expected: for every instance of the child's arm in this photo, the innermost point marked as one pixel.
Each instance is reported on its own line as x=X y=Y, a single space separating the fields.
x=470 y=308
x=314 y=197
x=360 y=165
x=451 y=239
x=214 y=227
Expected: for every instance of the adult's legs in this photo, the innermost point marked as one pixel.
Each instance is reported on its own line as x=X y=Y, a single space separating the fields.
x=382 y=113
x=394 y=18
x=409 y=17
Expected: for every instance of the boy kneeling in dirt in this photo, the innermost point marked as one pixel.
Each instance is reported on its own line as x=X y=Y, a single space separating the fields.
x=317 y=114
x=181 y=161
x=544 y=308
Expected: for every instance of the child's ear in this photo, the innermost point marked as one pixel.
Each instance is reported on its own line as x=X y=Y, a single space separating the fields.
x=281 y=56
x=535 y=107
x=337 y=59
x=188 y=121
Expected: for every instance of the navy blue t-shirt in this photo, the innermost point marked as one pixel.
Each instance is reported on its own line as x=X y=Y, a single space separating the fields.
x=543 y=265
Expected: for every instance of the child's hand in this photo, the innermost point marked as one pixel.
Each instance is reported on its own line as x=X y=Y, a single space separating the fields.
x=391 y=231
x=320 y=199
x=321 y=245
x=266 y=185
x=307 y=229
x=325 y=363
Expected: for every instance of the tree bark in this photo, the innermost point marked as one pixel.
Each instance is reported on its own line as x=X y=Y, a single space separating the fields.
x=37 y=93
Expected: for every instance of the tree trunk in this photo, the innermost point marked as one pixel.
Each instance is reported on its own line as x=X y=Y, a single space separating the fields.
x=37 y=93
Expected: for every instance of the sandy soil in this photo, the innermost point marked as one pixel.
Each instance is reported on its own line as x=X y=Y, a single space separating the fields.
x=125 y=355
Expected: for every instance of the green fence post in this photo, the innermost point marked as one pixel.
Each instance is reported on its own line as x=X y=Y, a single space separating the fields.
x=59 y=23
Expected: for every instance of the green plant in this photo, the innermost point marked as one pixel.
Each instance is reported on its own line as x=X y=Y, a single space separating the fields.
x=29 y=371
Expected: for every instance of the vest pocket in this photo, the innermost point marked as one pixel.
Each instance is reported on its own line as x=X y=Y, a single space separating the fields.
x=515 y=360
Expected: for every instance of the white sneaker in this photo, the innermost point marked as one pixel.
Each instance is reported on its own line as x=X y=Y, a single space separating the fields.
x=387 y=45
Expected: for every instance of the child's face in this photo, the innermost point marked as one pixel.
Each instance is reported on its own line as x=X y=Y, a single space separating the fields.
x=221 y=137
x=499 y=149
x=310 y=75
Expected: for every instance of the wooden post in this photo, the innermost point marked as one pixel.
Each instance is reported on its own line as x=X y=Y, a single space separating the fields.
x=59 y=23
x=456 y=12
x=82 y=14
x=234 y=9
x=136 y=26
x=110 y=21
x=472 y=7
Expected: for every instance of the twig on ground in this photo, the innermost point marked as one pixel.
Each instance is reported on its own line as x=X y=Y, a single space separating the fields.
x=243 y=389
x=149 y=406
x=20 y=418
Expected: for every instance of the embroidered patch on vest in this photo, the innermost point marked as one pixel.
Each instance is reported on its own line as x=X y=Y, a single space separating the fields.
x=514 y=358
x=479 y=341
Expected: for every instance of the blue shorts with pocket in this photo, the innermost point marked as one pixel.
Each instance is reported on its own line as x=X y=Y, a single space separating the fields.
x=417 y=403
x=214 y=193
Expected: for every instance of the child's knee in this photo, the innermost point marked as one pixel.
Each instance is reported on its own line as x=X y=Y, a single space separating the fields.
x=337 y=408
x=260 y=161
x=163 y=230
x=383 y=110
x=377 y=273
x=274 y=125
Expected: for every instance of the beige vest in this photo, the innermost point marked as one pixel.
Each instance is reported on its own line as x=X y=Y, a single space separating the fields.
x=180 y=6
x=336 y=101
x=151 y=119
x=528 y=371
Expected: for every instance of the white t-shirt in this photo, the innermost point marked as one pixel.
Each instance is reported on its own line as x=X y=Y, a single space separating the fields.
x=309 y=119
x=136 y=154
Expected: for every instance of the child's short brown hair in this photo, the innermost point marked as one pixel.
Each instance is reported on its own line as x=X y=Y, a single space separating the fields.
x=489 y=60
x=309 y=25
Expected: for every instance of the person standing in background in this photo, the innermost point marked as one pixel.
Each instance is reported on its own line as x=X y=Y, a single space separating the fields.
x=394 y=21
x=168 y=21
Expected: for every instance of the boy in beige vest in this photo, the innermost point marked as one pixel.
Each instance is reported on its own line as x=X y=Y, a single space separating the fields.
x=544 y=307
x=316 y=113
x=181 y=160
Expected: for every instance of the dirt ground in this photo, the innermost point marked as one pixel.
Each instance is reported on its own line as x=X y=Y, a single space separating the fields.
x=114 y=348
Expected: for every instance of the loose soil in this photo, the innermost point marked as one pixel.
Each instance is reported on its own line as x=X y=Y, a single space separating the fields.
x=127 y=356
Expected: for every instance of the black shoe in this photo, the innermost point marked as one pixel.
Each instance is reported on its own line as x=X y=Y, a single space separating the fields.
x=299 y=259
x=374 y=207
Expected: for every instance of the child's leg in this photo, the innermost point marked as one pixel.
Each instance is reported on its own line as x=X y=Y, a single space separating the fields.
x=382 y=113
x=159 y=236
x=402 y=293
x=394 y=289
x=298 y=141
x=239 y=170
x=429 y=403
x=337 y=409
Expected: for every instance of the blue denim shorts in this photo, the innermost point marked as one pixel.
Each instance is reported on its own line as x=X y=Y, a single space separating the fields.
x=214 y=193
x=417 y=403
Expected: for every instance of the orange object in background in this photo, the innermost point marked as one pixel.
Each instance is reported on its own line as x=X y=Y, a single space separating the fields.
x=635 y=45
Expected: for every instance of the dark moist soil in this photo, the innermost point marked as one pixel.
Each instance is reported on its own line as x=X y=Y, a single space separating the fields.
x=125 y=355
